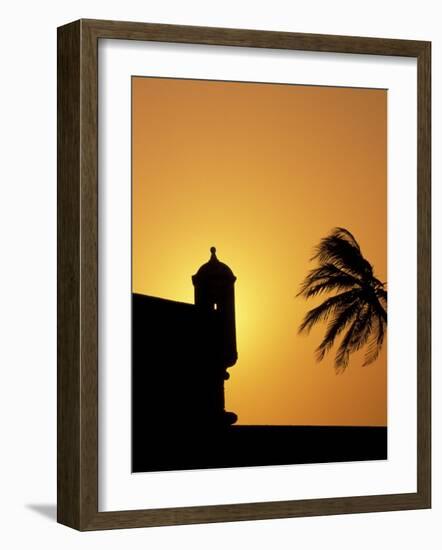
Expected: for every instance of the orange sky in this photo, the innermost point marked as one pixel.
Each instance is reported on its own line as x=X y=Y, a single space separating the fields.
x=263 y=172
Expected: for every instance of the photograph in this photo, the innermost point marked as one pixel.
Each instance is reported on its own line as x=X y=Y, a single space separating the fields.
x=243 y=273
x=259 y=274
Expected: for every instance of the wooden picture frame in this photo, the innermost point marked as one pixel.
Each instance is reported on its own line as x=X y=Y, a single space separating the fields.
x=77 y=128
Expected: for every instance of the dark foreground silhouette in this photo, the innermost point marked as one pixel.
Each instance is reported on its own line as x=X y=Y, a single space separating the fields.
x=238 y=445
x=178 y=417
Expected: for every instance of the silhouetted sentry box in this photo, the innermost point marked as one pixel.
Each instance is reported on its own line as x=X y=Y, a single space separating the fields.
x=214 y=291
x=181 y=353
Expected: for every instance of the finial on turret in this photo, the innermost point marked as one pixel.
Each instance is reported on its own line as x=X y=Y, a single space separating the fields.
x=213 y=270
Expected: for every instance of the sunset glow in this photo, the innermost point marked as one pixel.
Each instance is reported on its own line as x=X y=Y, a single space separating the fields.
x=263 y=172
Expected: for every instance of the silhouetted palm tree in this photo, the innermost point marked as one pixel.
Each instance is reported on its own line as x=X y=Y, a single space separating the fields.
x=360 y=310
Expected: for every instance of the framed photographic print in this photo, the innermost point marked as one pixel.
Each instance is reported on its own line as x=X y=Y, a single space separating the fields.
x=236 y=208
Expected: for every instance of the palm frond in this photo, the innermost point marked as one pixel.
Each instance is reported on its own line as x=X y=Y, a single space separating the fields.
x=324 y=310
x=341 y=249
x=381 y=295
x=332 y=285
x=326 y=278
x=336 y=326
x=363 y=329
x=379 y=303
x=345 y=234
x=376 y=341
x=356 y=337
x=345 y=348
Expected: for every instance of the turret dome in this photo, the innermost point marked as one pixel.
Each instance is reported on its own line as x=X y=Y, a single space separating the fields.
x=214 y=270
